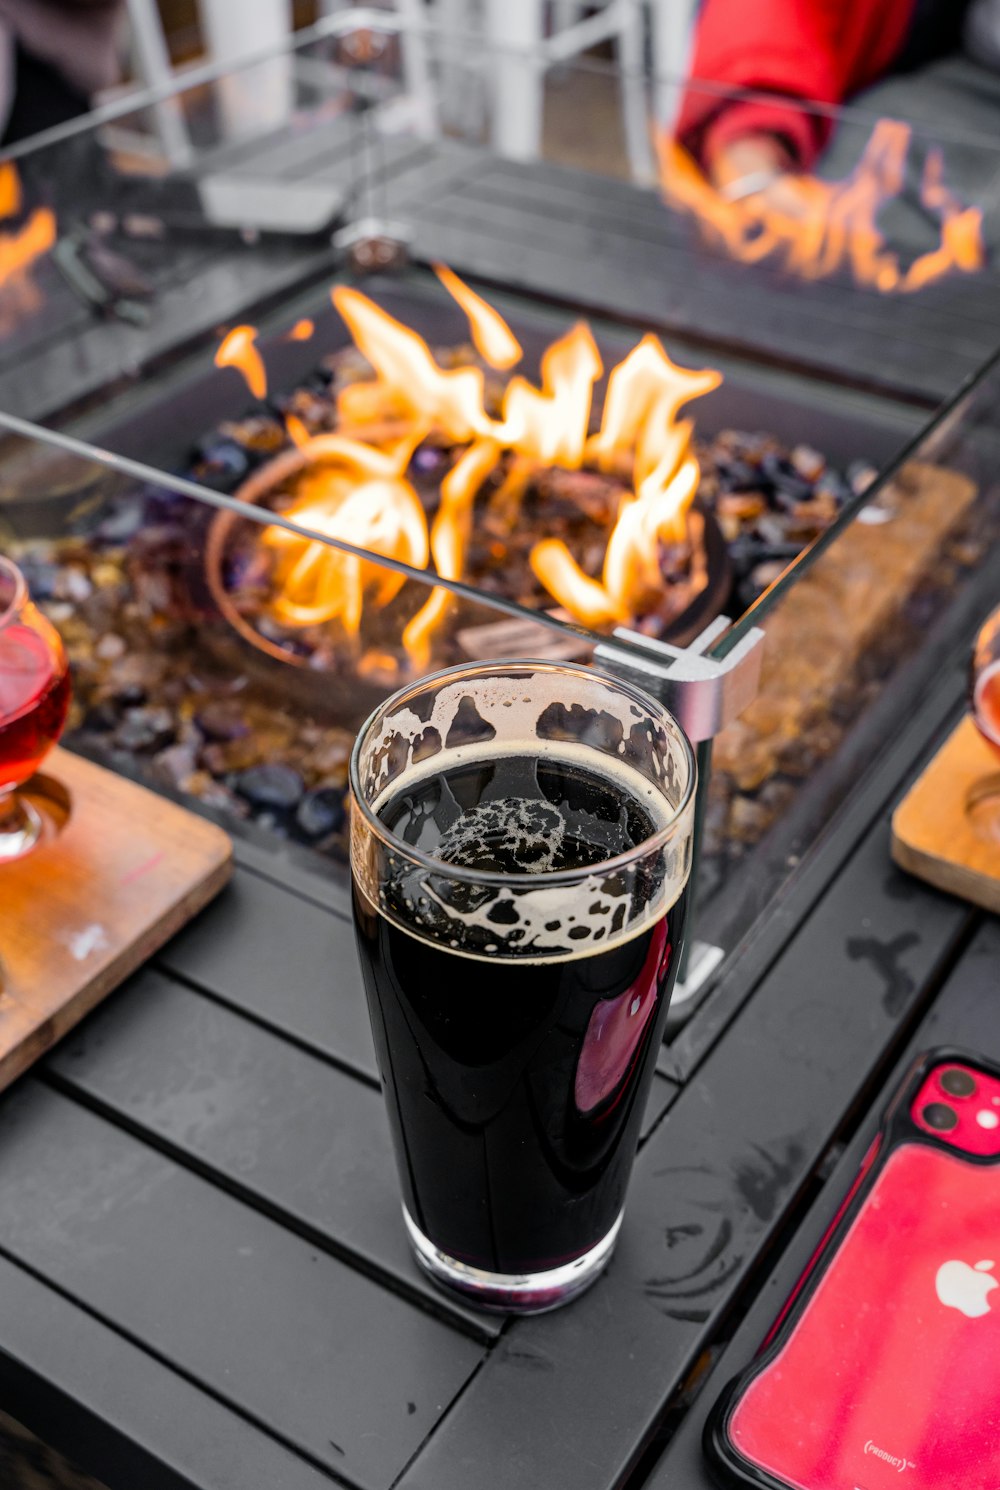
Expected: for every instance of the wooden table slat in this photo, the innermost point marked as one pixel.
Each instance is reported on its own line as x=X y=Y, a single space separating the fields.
x=549 y=192
x=328 y=1362
x=272 y=1124
x=120 y=1414
x=286 y=962
x=701 y=288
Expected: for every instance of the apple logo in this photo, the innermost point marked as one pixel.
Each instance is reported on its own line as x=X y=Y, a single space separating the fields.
x=964 y=1288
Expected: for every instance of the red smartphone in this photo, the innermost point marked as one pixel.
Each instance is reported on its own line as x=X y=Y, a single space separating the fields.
x=884 y=1367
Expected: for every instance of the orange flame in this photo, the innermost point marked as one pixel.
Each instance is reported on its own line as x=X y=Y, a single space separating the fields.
x=10 y=189
x=238 y=349
x=644 y=395
x=408 y=374
x=20 y=247
x=492 y=337
x=632 y=579
x=449 y=539
x=551 y=424
x=357 y=495
x=821 y=227
x=297 y=431
x=355 y=492
x=301 y=331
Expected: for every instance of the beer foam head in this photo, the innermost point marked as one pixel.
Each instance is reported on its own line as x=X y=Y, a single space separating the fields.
x=530 y=833
x=530 y=909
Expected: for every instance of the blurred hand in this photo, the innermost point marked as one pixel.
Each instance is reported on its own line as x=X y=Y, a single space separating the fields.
x=759 y=169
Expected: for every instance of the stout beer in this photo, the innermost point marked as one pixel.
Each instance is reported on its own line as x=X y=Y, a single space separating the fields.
x=518 y=945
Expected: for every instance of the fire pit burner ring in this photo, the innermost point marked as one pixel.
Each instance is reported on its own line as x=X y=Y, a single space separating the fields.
x=315 y=680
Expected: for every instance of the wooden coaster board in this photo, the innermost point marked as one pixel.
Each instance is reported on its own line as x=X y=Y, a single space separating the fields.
x=935 y=836
x=92 y=901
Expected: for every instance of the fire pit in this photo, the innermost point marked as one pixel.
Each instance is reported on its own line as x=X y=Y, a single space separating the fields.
x=229 y=659
x=412 y=454
x=514 y=489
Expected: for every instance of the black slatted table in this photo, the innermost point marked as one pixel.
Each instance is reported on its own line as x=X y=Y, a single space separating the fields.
x=203 y=1275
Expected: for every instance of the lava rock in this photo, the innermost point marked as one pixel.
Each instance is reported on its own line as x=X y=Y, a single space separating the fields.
x=832 y=484
x=100 y=719
x=72 y=584
x=213 y=794
x=40 y=576
x=861 y=474
x=329 y=758
x=220 y=463
x=110 y=647
x=789 y=486
x=771 y=529
x=740 y=475
x=809 y=463
x=145 y=730
x=319 y=380
x=262 y=433
x=220 y=720
x=742 y=504
x=270 y=788
x=175 y=765
x=121 y=521
x=136 y=675
x=229 y=757
x=429 y=458
x=321 y=812
x=130 y=695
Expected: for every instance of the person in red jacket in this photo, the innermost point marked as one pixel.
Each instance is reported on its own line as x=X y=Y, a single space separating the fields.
x=788 y=52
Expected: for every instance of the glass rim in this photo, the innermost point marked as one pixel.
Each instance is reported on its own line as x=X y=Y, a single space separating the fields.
x=653 y=844
x=20 y=595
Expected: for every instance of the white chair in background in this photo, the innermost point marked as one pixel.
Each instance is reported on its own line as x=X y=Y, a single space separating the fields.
x=672 y=27
x=523 y=55
x=525 y=39
x=262 y=97
x=521 y=41
x=232 y=29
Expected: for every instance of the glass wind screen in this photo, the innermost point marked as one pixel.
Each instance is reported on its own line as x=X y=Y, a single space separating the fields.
x=127 y=236
x=186 y=250
x=864 y=631
x=224 y=653
x=166 y=300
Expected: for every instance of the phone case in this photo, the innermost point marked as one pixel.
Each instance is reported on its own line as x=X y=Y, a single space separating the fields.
x=884 y=1367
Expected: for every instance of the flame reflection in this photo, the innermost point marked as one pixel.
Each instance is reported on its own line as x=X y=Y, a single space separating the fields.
x=238 y=349
x=827 y=227
x=20 y=247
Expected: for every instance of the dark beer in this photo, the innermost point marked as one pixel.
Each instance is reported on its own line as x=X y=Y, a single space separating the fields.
x=516 y=1035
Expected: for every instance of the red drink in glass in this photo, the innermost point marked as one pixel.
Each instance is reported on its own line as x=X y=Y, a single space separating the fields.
x=34 y=697
x=985 y=690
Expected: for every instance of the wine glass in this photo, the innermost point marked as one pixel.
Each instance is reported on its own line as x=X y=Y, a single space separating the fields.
x=986 y=681
x=34 y=697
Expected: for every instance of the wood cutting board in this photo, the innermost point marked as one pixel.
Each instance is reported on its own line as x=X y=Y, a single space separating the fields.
x=94 y=900
x=937 y=832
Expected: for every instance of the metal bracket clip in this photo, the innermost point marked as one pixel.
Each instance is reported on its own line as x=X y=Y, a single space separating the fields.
x=372 y=245
x=704 y=694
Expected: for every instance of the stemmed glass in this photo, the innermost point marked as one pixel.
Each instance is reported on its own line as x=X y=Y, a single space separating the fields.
x=986 y=681
x=34 y=697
